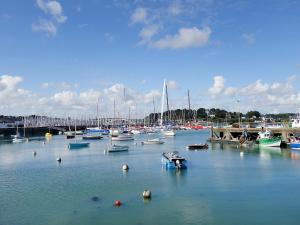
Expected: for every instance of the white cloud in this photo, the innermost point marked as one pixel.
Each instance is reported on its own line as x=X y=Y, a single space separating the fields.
x=61 y=85
x=148 y=97
x=256 y=88
x=45 y=26
x=53 y=8
x=50 y=25
x=139 y=16
x=172 y=84
x=249 y=38
x=148 y=32
x=185 y=38
x=218 y=86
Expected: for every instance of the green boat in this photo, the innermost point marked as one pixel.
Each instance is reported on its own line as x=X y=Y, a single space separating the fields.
x=265 y=138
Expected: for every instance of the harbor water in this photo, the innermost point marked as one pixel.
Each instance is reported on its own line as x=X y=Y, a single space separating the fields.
x=220 y=186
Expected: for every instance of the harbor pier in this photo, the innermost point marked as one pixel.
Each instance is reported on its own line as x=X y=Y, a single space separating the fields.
x=232 y=135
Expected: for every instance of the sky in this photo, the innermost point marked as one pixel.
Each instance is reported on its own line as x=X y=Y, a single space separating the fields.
x=61 y=57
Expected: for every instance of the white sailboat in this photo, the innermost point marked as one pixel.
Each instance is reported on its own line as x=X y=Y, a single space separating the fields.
x=17 y=138
x=166 y=131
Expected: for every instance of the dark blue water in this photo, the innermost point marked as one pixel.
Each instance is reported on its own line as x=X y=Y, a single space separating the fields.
x=219 y=187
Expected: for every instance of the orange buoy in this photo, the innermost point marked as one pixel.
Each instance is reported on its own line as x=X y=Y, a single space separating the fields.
x=118 y=203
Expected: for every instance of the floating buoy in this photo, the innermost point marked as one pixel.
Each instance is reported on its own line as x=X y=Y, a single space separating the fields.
x=147 y=194
x=125 y=167
x=58 y=159
x=34 y=153
x=241 y=154
x=118 y=203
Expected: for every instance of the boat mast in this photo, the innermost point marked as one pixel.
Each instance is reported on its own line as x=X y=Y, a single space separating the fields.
x=24 y=127
x=154 y=117
x=168 y=110
x=98 y=122
x=162 y=104
x=189 y=103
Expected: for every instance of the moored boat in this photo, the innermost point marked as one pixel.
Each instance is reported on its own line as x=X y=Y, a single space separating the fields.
x=76 y=145
x=18 y=138
x=295 y=143
x=168 y=133
x=197 y=146
x=118 y=148
x=152 y=141
x=171 y=160
x=265 y=138
x=92 y=136
x=123 y=137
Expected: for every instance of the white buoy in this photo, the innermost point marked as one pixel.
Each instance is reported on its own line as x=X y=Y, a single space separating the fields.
x=58 y=159
x=147 y=193
x=125 y=167
x=242 y=154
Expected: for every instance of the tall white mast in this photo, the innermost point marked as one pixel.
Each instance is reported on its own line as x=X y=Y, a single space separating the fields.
x=162 y=103
x=98 y=122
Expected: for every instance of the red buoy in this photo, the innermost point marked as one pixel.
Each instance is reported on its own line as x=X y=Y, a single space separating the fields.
x=118 y=203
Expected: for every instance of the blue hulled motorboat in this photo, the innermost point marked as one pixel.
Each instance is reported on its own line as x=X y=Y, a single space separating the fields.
x=171 y=160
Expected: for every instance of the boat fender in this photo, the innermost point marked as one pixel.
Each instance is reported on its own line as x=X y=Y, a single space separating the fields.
x=118 y=203
x=147 y=193
x=125 y=167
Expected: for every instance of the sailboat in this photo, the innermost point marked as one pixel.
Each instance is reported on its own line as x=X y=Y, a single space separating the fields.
x=167 y=130
x=17 y=138
x=120 y=136
x=96 y=132
x=78 y=144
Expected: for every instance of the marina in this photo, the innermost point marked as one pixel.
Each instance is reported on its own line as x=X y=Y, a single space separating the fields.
x=214 y=177
x=149 y=112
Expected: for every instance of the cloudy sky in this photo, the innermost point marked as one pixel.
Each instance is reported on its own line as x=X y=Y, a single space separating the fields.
x=59 y=57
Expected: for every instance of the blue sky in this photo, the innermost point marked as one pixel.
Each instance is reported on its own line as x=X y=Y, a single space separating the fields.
x=57 y=57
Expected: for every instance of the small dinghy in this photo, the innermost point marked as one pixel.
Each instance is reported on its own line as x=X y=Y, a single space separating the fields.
x=118 y=148
x=171 y=160
x=197 y=146
x=77 y=145
x=152 y=141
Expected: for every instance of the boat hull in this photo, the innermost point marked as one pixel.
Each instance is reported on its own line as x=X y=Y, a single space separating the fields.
x=122 y=138
x=92 y=137
x=173 y=161
x=197 y=147
x=78 y=145
x=295 y=145
x=269 y=142
x=118 y=148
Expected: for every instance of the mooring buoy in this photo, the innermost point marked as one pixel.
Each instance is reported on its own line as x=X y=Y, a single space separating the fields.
x=125 y=167
x=118 y=203
x=147 y=193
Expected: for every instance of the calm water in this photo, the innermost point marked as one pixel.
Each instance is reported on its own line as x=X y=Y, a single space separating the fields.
x=219 y=187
